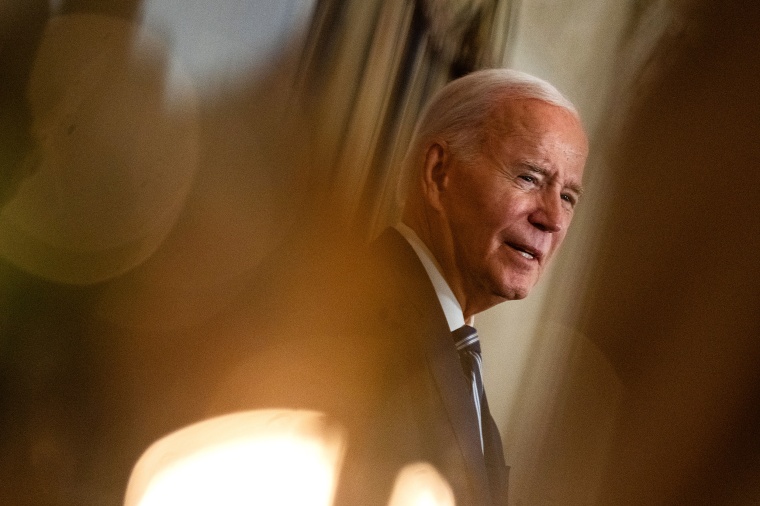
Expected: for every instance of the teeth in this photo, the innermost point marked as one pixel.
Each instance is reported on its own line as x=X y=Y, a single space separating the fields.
x=525 y=254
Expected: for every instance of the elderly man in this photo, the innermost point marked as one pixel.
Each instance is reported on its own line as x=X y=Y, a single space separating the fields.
x=378 y=341
x=499 y=158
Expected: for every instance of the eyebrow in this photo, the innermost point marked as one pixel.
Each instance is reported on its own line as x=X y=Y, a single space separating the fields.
x=541 y=170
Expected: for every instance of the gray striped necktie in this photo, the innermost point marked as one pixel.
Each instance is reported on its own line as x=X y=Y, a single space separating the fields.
x=468 y=346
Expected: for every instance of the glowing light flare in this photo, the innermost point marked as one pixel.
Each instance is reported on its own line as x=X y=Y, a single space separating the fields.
x=421 y=484
x=271 y=457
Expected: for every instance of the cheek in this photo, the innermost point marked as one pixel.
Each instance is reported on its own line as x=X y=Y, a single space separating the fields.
x=480 y=215
x=504 y=213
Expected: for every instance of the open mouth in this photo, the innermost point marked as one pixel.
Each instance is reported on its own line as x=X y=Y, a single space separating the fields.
x=524 y=251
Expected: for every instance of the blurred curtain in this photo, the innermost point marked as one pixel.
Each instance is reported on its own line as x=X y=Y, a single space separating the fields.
x=21 y=26
x=367 y=69
x=675 y=294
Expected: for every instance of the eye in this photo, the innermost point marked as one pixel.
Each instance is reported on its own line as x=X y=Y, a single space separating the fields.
x=569 y=198
x=528 y=178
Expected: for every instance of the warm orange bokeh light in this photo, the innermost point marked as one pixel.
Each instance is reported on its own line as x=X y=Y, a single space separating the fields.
x=272 y=457
x=421 y=485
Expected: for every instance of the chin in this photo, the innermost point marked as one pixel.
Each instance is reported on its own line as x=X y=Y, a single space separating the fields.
x=496 y=288
x=512 y=284
x=516 y=295
x=504 y=294
x=514 y=291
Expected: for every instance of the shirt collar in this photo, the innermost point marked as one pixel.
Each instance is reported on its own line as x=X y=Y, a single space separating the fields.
x=449 y=302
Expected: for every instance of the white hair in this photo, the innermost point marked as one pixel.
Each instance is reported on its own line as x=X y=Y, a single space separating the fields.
x=459 y=113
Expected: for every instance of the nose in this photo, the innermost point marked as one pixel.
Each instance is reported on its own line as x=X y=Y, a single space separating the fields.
x=548 y=216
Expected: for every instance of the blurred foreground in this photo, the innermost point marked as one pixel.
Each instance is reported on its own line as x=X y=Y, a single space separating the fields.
x=154 y=169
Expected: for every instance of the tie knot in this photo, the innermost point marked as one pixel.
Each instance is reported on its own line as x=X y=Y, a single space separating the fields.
x=466 y=338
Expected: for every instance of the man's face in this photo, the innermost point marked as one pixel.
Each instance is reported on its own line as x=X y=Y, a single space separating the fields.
x=508 y=212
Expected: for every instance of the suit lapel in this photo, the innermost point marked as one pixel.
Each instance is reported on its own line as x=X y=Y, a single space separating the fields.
x=431 y=331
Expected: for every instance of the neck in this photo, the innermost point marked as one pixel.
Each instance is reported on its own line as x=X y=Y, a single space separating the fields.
x=441 y=249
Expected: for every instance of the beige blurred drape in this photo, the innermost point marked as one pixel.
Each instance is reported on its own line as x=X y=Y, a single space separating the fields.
x=367 y=69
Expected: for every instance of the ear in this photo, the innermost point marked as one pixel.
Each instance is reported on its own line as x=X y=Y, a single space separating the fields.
x=435 y=173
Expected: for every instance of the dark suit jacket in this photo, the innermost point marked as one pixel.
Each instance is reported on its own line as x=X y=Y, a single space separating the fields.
x=368 y=344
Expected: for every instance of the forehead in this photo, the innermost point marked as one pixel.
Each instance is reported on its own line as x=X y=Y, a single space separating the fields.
x=537 y=132
x=533 y=117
